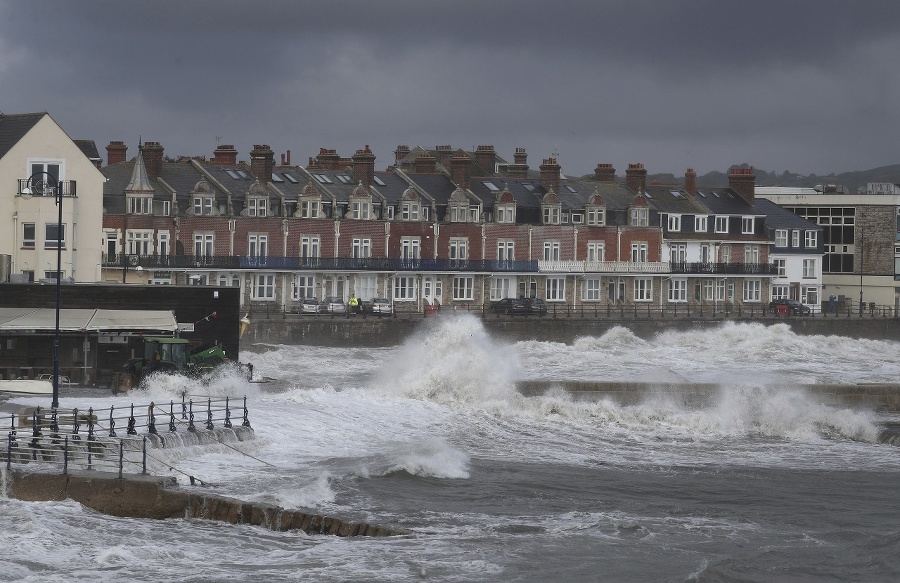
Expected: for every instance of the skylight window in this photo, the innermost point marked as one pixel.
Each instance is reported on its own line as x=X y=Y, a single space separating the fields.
x=528 y=186
x=491 y=186
x=648 y=195
x=243 y=175
x=344 y=178
x=379 y=181
x=276 y=178
x=675 y=193
x=323 y=179
x=291 y=178
x=233 y=174
x=571 y=189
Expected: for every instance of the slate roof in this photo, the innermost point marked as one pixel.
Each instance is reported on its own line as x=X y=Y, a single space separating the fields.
x=724 y=201
x=675 y=200
x=14 y=127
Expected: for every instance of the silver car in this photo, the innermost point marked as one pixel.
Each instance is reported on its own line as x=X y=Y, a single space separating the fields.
x=382 y=307
x=309 y=306
x=333 y=305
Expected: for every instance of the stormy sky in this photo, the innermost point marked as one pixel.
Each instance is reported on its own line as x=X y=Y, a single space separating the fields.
x=807 y=86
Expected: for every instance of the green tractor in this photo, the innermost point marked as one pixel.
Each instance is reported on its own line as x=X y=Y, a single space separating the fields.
x=174 y=356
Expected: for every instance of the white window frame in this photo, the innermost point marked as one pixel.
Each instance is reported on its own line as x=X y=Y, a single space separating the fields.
x=204 y=244
x=780 y=266
x=552 y=215
x=139 y=241
x=203 y=205
x=502 y=287
x=551 y=251
x=310 y=247
x=459 y=249
x=640 y=217
x=781 y=237
x=674 y=223
x=257 y=206
x=362 y=248
x=643 y=289
x=257 y=245
x=678 y=290
x=639 y=252
x=591 y=291
x=721 y=223
x=410 y=248
x=795 y=238
x=812 y=239
x=752 y=290
x=596 y=251
x=809 y=268
x=506 y=250
x=463 y=287
x=701 y=223
x=751 y=254
x=555 y=288
x=596 y=216
x=263 y=289
x=404 y=288
x=304 y=287
x=747 y=225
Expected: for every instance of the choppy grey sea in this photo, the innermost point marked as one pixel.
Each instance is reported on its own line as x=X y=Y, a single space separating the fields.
x=764 y=484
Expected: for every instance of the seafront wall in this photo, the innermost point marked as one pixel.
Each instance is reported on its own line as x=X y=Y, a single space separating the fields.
x=374 y=331
x=140 y=496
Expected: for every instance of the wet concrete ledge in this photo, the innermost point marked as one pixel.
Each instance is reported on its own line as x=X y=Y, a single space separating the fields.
x=139 y=496
x=883 y=397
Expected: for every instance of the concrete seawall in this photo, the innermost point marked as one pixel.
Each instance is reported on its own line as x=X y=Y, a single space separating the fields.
x=159 y=498
x=879 y=397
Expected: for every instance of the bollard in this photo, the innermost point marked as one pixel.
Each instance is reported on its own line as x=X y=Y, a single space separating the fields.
x=246 y=422
x=112 y=423
x=151 y=419
x=209 y=423
x=131 y=421
x=171 y=417
x=191 y=421
x=227 y=414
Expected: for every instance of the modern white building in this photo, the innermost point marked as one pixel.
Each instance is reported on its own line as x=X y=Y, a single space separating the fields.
x=36 y=152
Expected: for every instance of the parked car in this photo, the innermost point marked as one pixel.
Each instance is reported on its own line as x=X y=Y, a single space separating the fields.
x=307 y=306
x=333 y=305
x=509 y=306
x=536 y=306
x=63 y=380
x=381 y=306
x=793 y=307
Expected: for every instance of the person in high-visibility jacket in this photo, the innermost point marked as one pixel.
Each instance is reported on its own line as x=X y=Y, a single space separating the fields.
x=353 y=303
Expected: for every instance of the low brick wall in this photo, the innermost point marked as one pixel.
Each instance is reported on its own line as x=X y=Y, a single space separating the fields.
x=159 y=498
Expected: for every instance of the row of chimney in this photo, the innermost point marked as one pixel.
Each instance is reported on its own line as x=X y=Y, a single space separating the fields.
x=262 y=164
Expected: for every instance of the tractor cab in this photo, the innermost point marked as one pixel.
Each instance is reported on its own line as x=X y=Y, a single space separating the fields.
x=166 y=354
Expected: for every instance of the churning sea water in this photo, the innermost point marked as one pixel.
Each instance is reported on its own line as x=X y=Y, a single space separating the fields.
x=763 y=484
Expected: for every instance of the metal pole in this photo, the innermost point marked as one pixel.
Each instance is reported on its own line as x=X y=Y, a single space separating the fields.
x=862 y=250
x=59 y=240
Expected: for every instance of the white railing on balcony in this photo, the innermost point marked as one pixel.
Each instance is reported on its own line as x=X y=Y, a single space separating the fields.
x=603 y=267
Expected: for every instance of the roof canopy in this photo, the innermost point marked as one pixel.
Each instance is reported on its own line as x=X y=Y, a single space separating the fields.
x=87 y=320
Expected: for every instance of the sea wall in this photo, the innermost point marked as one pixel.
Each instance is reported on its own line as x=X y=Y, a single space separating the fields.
x=139 y=496
x=373 y=331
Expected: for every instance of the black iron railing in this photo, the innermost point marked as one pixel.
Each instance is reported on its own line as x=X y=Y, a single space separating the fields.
x=112 y=439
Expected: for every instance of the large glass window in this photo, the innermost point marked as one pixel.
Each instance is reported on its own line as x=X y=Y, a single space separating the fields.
x=362 y=249
x=591 y=290
x=643 y=289
x=28 y=234
x=809 y=268
x=502 y=287
x=752 y=289
x=506 y=250
x=203 y=244
x=404 y=289
x=596 y=251
x=258 y=245
x=639 y=252
x=463 y=287
x=678 y=290
x=556 y=289
x=551 y=251
x=781 y=237
x=263 y=286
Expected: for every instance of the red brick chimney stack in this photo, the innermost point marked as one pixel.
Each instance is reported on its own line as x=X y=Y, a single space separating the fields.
x=328 y=159
x=519 y=168
x=743 y=182
x=224 y=155
x=460 y=169
x=636 y=177
x=690 y=182
x=116 y=152
x=485 y=160
x=426 y=164
x=550 y=172
x=400 y=153
x=443 y=154
x=153 y=158
x=364 y=166
x=262 y=162
x=605 y=173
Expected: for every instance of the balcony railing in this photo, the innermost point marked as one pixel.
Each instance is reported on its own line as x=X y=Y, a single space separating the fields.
x=66 y=188
x=229 y=262
x=724 y=268
x=234 y=262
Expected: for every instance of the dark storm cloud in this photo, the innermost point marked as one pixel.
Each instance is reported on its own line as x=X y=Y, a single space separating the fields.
x=806 y=86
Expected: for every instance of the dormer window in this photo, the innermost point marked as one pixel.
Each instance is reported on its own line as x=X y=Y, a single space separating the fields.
x=458 y=213
x=409 y=211
x=674 y=223
x=505 y=213
x=640 y=217
x=140 y=205
x=552 y=215
x=309 y=209
x=747 y=225
x=361 y=210
x=203 y=205
x=596 y=216
x=474 y=214
x=257 y=207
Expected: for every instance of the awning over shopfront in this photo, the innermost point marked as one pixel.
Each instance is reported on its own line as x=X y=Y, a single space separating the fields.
x=86 y=320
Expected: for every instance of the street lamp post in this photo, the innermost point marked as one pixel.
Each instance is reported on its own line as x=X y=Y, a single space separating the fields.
x=862 y=251
x=45 y=184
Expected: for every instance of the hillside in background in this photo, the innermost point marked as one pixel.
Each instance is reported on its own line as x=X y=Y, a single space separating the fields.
x=851 y=181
